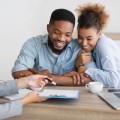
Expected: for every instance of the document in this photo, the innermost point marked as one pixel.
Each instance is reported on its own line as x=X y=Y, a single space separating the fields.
x=47 y=93
x=22 y=93
x=65 y=94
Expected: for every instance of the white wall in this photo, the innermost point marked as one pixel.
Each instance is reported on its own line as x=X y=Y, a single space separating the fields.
x=22 y=19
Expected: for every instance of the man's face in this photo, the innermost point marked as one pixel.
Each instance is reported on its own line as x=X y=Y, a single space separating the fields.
x=60 y=33
x=88 y=38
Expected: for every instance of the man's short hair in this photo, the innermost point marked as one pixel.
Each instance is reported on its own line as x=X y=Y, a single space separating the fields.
x=62 y=14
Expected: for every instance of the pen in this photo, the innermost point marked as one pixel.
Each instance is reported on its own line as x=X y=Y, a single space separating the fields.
x=36 y=72
x=54 y=83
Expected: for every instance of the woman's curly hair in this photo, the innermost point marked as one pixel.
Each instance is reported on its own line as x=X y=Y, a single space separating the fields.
x=92 y=15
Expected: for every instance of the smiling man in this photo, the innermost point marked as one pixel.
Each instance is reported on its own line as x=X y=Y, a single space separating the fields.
x=53 y=54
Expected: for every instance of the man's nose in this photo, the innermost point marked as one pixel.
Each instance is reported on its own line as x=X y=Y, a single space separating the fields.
x=62 y=38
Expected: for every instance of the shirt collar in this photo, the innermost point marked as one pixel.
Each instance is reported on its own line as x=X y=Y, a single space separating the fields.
x=46 y=39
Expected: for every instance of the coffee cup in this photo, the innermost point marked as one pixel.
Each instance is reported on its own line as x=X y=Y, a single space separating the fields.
x=94 y=87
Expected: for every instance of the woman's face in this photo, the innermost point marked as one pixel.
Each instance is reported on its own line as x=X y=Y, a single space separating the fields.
x=88 y=38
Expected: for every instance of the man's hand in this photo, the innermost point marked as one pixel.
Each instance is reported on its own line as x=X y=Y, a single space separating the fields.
x=85 y=79
x=44 y=72
x=83 y=57
x=79 y=79
x=75 y=76
x=20 y=74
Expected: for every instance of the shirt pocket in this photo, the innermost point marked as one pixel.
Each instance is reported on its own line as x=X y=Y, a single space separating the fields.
x=68 y=69
x=41 y=68
x=45 y=67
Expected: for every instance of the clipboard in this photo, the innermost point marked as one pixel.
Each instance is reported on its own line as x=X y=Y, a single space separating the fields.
x=60 y=94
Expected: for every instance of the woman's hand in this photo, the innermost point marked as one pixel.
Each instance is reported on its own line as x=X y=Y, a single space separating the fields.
x=82 y=69
x=32 y=97
x=83 y=57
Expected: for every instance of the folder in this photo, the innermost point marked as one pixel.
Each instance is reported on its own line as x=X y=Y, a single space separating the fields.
x=62 y=94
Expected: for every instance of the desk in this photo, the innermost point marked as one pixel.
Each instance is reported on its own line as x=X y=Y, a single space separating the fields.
x=88 y=107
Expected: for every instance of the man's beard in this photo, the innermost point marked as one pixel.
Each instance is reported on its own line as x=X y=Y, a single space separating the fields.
x=54 y=50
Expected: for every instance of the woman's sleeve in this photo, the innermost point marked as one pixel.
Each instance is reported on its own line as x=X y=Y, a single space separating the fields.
x=14 y=108
x=8 y=88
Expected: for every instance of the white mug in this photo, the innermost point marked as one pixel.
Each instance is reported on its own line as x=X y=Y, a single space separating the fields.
x=94 y=87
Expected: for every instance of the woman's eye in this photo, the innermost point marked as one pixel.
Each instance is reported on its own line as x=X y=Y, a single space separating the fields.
x=80 y=38
x=68 y=35
x=89 y=39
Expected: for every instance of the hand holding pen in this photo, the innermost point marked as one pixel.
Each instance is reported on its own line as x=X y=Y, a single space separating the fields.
x=52 y=82
x=37 y=72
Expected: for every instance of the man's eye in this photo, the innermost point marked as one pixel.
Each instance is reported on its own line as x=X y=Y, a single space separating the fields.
x=56 y=32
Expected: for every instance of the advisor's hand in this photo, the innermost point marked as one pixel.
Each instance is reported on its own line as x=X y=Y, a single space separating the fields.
x=37 y=81
x=32 y=81
x=32 y=97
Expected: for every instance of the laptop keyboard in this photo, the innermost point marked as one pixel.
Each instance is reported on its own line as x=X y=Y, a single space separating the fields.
x=117 y=94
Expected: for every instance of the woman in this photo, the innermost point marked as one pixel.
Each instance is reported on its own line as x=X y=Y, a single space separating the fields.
x=10 y=87
x=91 y=21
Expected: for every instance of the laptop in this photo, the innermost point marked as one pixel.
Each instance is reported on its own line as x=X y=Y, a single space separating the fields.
x=112 y=98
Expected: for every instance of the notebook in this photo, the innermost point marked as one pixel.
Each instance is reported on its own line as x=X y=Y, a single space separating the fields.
x=62 y=94
x=112 y=98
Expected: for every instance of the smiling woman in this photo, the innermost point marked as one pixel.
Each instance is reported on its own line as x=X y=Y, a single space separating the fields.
x=106 y=54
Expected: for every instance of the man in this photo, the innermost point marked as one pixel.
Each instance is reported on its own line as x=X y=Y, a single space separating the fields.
x=10 y=87
x=54 y=54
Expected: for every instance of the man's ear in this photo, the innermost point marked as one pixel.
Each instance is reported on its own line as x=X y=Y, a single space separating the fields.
x=48 y=27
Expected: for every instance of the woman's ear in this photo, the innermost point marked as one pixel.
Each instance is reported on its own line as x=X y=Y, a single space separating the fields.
x=99 y=34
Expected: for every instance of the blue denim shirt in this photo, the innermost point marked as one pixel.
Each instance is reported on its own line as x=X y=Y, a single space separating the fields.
x=36 y=53
x=107 y=58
